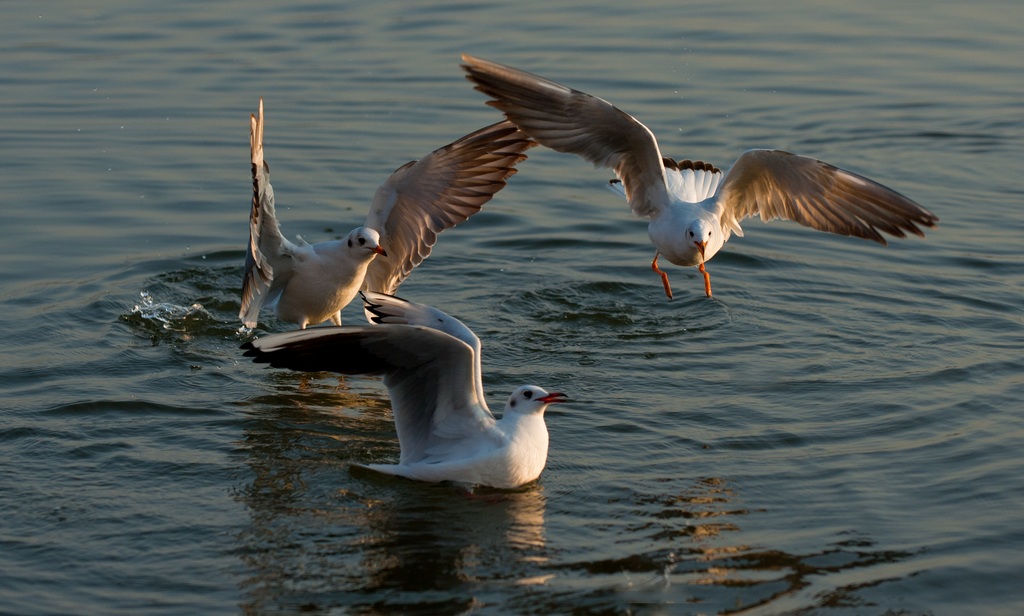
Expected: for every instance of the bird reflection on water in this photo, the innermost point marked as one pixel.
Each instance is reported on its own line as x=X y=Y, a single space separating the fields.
x=320 y=535
x=323 y=534
x=686 y=554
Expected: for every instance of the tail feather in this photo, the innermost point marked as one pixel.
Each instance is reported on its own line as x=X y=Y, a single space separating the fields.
x=690 y=181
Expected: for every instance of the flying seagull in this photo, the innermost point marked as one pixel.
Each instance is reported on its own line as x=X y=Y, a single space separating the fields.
x=692 y=205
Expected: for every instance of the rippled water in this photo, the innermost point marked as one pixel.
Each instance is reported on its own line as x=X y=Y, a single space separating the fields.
x=837 y=431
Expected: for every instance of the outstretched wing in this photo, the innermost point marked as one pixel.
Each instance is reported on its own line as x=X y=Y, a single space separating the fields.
x=429 y=375
x=423 y=198
x=269 y=255
x=575 y=122
x=776 y=184
x=384 y=309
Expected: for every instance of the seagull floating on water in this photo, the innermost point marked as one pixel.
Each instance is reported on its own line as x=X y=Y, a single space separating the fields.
x=693 y=206
x=431 y=367
x=310 y=283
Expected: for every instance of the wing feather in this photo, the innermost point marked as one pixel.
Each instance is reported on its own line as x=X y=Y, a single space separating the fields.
x=423 y=198
x=575 y=122
x=429 y=375
x=268 y=257
x=776 y=184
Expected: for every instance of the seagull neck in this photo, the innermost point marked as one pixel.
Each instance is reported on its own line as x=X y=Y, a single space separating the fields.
x=514 y=420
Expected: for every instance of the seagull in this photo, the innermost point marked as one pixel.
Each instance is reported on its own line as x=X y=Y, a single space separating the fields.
x=692 y=205
x=431 y=367
x=308 y=284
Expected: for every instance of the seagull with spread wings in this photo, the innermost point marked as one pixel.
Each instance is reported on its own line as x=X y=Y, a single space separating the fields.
x=693 y=206
x=308 y=283
x=431 y=367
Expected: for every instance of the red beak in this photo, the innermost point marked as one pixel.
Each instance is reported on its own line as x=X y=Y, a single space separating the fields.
x=552 y=398
x=381 y=252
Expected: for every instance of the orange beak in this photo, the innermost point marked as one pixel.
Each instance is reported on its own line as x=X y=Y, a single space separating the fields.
x=700 y=247
x=707 y=278
x=382 y=253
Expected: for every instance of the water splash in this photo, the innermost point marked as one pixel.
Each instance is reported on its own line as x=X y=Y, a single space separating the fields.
x=169 y=316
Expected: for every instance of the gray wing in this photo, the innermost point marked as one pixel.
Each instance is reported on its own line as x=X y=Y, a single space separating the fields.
x=423 y=198
x=429 y=375
x=776 y=184
x=575 y=122
x=384 y=309
x=268 y=258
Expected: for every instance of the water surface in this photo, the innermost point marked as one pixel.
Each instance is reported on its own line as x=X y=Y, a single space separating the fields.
x=837 y=431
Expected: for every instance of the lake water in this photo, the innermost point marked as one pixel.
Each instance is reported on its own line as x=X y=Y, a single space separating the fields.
x=838 y=431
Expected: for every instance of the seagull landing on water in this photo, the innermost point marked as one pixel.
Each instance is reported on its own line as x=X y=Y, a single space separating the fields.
x=308 y=284
x=431 y=367
x=693 y=206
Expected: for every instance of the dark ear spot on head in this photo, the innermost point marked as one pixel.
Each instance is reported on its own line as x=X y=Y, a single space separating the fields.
x=512 y=402
x=350 y=243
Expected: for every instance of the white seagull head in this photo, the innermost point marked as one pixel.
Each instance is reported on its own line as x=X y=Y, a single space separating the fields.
x=362 y=239
x=703 y=235
x=529 y=400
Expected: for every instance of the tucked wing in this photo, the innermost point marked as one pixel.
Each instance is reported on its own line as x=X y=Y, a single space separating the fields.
x=776 y=184
x=575 y=122
x=429 y=375
x=423 y=198
x=269 y=255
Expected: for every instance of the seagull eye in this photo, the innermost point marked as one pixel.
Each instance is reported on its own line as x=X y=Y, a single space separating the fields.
x=362 y=241
x=690 y=232
x=527 y=394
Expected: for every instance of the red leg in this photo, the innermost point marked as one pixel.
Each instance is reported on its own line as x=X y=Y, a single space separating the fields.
x=664 y=276
x=707 y=279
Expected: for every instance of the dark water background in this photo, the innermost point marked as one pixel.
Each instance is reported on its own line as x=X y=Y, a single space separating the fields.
x=838 y=431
